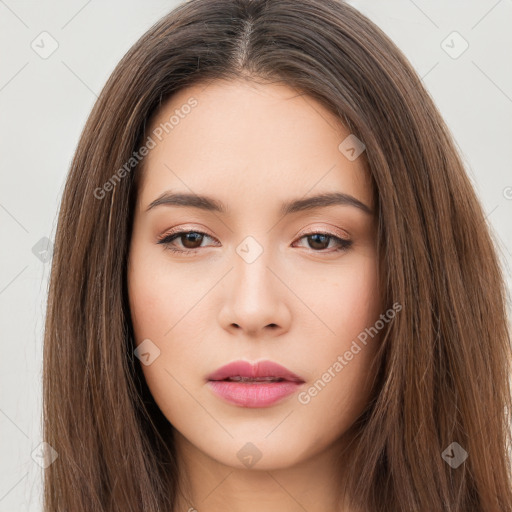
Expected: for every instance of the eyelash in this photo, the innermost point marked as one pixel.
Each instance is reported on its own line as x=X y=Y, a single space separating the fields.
x=168 y=238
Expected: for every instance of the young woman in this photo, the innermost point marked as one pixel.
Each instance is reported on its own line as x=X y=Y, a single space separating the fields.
x=273 y=287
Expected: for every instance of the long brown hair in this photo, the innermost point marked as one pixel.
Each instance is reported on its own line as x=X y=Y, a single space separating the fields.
x=445 y=361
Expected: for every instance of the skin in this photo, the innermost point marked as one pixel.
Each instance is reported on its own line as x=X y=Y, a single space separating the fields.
x=252 y=147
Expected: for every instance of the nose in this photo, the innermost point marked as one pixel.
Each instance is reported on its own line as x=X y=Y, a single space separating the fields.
x=255 y=300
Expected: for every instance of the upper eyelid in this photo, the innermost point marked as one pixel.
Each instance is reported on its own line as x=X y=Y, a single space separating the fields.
x=170 y=233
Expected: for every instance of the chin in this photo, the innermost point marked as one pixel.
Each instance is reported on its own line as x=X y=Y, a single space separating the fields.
x=258 y=453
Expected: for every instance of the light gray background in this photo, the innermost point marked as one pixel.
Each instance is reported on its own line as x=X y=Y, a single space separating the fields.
x=44 y=104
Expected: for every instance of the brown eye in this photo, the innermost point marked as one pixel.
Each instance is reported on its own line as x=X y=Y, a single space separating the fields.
x=319 y=242
x=191 y=239
x=184 y=242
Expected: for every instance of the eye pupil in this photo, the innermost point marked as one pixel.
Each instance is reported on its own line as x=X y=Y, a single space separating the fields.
x=315 y=238
x=193 y=238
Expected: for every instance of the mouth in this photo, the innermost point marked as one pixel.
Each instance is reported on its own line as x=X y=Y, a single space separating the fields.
x=238 y=378
x=254 y=385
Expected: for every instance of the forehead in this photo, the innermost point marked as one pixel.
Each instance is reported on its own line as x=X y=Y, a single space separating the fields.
x=232 y=138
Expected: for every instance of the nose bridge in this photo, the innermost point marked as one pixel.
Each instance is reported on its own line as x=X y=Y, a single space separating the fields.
x=255 y=300
x=251 y=272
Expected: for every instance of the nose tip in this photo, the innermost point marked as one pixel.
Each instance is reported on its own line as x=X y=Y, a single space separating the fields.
x=256 y=302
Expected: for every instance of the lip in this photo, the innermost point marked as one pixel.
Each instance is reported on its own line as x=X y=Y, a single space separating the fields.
x=253 y=393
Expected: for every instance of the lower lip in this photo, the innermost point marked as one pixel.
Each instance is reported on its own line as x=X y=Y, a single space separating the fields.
x=253 y=394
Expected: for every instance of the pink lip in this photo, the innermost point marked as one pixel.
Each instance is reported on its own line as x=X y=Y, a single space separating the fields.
x=253 y=393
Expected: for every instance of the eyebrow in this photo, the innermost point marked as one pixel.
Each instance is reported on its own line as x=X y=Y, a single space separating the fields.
x=207 y=203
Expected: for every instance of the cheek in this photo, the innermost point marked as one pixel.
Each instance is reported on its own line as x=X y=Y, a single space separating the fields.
x=350 y=307
x=358 y=302
x=157 y=303
x=160 y=295
x=166 y=316
x=347 y=300
x=165 y=309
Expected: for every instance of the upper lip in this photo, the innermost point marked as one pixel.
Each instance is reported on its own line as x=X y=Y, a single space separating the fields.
x=254 y=370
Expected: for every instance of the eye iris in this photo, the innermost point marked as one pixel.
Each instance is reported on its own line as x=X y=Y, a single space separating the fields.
x=191 y=237
x=315 y=238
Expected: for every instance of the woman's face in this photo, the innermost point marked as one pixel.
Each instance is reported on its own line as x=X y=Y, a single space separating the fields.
x=265 y=274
